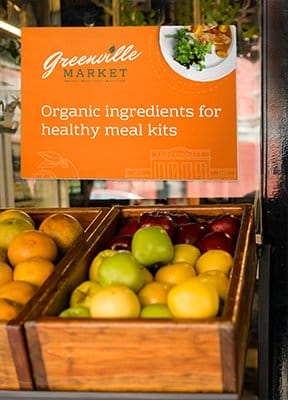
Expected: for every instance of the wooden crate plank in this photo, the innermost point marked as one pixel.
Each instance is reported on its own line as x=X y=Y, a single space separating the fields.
x=8 y=375
x=129 y=356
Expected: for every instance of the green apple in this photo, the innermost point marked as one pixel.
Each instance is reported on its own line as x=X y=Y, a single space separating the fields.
x=155 y=311
x=152 y=245
x=97 y=261
x=75 y=312
x=185 y=252
x=16 y=213
x=81 y=295
x=10 y=227
x=121 y=268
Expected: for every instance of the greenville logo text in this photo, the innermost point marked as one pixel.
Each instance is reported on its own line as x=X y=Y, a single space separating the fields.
x=80 y=66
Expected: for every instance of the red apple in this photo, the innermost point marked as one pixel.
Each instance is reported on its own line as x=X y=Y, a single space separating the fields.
x=189 y=233
x=120 y=242
x=225 y=223
x=158 y=218
x=180 y=218
x=216 y=240
x=129 y=228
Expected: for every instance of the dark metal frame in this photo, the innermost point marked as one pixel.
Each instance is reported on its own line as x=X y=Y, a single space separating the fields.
x=275 y=195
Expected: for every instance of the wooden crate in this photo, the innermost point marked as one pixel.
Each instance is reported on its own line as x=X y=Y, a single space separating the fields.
x=182 y=356
x=15 y=370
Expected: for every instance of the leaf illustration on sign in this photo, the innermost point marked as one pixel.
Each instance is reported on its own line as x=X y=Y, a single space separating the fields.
x=54 y=161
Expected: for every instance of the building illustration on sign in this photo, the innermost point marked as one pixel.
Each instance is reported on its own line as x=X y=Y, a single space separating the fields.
x=179 y=163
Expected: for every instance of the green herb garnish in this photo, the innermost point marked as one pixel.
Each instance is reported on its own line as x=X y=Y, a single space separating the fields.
x=189 y=51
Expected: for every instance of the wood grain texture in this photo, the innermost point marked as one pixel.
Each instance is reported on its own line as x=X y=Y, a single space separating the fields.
x=228 y=357
x=8 y=375
x=146 y=356
x=245 y=294
x=130 y=356
x=35 y=355
x=20 y=356
x=239 y=306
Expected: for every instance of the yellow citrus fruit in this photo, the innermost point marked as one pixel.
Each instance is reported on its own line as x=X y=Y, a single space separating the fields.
x=29 y=244
x=172 y=274
x=6 y=273
x=146 y=275
x=115 y=301
x=34 y=270
x=218 y=279
x=214 y=259
x=8 y=310
x=193 y=299
x=153 y=293
x=16 y=213
x=18 y=291
x=185 y=252
x=64 y=229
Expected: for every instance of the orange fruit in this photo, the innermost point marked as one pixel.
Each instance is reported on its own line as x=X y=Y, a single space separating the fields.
x=8 y=310
x=218 y=279
x=115 y=301
x=10 y=228
x=34 y=270
x=64 y=229
x=193 y=299
x=6 y=273
x=153 y=293
x=18 y=291
x=16 y=213
x=172 y=274
x=29 y=244
x=214 y=259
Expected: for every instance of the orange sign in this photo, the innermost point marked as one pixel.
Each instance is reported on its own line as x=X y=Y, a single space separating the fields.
x=127 y=103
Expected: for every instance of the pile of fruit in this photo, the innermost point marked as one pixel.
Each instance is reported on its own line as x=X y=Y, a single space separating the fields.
x=29 y=254
x=160 y=265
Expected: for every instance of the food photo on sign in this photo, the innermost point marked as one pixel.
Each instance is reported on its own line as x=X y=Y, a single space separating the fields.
x=206 y=52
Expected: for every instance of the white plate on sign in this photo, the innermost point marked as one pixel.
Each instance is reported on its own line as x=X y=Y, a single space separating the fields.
x=216 y=67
